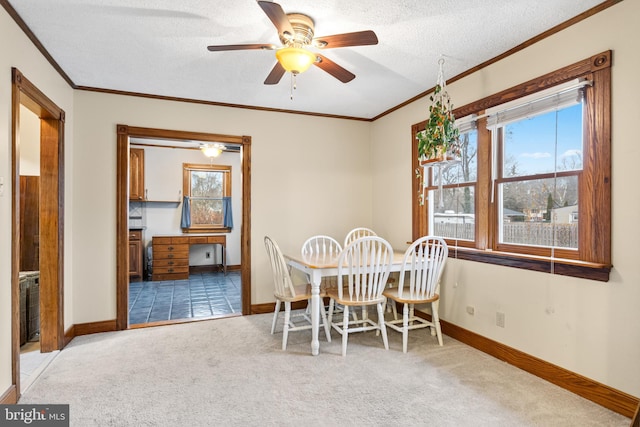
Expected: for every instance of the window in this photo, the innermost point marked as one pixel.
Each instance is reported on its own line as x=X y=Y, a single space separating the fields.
x=450 y=193
x=532 y=189
x=207 y=204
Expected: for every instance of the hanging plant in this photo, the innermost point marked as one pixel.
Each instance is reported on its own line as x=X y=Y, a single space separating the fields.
x=439 y=141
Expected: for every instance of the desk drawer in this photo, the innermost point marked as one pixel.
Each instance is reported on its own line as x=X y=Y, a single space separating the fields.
x=179 y=251
x=171 y=262
x=166 y=240
x=170 y=269
x=222 y=240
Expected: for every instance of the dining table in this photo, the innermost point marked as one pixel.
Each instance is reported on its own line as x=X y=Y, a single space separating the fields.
x=316 y=266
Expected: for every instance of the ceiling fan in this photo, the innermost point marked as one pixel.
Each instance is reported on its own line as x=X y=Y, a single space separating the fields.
x=296 y=34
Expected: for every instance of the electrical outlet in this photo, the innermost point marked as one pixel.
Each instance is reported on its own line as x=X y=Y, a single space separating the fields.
x=208 y=255
x=500 y=319
x=471 y=310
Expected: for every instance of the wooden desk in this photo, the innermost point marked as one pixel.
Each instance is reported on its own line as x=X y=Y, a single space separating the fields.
x=171 y=254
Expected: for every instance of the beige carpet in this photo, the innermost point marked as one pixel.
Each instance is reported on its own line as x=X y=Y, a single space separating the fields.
x=232 y=372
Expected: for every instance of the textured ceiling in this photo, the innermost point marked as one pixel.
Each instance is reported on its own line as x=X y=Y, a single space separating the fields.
x=159 y=47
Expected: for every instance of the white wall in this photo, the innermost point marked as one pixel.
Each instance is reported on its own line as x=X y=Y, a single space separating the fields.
x=309 y=175
x=587 y=327
x=163 y=176
x=17 y=51
x=319 y=175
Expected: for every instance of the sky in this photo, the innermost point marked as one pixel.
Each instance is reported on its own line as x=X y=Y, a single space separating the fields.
x=532 y=142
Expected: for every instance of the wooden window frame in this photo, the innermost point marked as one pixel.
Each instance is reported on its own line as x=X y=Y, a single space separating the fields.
x=186 y=190
x=594 y=247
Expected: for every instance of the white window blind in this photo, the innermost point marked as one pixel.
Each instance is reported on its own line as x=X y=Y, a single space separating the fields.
x=466 y=123
x=551 y=99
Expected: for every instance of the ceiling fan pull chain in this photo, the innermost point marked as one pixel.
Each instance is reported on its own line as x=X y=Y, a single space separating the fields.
x=293 y=84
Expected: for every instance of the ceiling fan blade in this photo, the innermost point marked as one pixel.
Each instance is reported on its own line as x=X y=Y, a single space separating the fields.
x=275 y=75
x=255 y=46
x=360 y=38
x=277 y=16
x=334 y=69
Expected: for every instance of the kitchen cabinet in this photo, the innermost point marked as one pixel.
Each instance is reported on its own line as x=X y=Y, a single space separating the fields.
x=136 y=174
x=136 y=255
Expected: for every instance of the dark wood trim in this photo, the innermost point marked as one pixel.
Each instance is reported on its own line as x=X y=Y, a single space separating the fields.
x=635 y=422
x=124 y=133
x=51 y=206
x=69 y=334
x=563 y=267
x=562 y=26
x=268 y=307
x=218 y=104
x=94 y=327
x=27 y=31
x=9 y=397
x=176 y=321
x=582 y=68
x=603 y=395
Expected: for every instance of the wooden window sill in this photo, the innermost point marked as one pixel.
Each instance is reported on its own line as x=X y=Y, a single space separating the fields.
x=564 y=267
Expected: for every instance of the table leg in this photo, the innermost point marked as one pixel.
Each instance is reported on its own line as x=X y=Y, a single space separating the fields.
x=316 y=278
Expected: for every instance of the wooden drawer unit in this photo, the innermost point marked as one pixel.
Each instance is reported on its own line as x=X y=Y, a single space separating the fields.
x=170 y=258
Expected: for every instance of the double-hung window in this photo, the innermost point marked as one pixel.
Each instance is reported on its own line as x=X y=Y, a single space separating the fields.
x=538 y=165
x=207 y=201
x=450 y=189
x=532 y=188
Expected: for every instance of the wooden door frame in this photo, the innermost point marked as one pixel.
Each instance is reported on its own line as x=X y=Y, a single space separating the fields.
x=51 y=218
x=124 y=133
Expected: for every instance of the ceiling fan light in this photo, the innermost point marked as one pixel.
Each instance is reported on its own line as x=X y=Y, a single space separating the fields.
x=210 y=150
x=295 y=60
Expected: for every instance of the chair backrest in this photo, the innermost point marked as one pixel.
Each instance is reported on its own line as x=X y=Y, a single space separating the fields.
x=324 y=246
x=363 y=267
x=423 y=262
x=281 y=277
x=357 y=233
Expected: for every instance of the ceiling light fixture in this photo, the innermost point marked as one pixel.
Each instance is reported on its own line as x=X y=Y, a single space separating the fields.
x=295 y=60
x=212 y=150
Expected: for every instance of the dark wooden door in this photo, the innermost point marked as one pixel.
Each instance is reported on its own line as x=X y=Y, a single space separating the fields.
x=29 y=223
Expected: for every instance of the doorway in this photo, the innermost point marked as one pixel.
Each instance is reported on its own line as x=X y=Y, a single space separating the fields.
x=124 y=135
x=50 y=222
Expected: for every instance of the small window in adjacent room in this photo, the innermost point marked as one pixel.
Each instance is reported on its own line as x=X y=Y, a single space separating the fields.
x=207 y=198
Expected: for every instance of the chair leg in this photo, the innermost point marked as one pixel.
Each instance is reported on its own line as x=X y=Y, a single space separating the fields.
x=382 y=325
x=436 y=320
x=275 y=316
x=405 y=326
x=332 y=303
x=345 y=329
x=394 y=309
x=325 y=323
x=287 y=318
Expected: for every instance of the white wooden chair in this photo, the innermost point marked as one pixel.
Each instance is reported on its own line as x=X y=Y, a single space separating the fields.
x=326 y=246
x=363 y=270
x=357 y=233
x=419 y=283
x=286 y=292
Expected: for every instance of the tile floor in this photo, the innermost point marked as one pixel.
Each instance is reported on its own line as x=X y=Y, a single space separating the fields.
x=203 y=295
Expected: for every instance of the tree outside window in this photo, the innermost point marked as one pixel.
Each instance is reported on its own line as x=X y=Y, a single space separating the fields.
x=206 y=187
